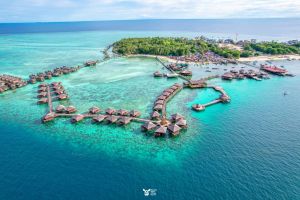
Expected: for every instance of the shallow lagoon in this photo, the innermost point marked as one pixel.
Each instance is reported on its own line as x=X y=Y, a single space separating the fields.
x=245 y=149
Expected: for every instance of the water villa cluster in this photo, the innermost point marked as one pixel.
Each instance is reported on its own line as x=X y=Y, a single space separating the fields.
x=8 y=82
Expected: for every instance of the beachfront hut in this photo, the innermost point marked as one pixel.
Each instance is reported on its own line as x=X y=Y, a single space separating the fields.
x=42 y=101
x=122 y=112
x=134 y=113
x=155 y=115
x=160 y=131
x=176 y=117
x=70 y=109
x=77 y=118
x=158 y=107
x=110 y=111
x=99 y=118
x=112 y=118
x=94 y=110
x=60 y=109
x=181 y=123
x=48 y=117
x=124 y=120
x=174 y=129
x=148 y=126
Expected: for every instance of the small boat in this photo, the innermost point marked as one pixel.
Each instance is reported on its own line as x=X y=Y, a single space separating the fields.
x=157 y=74
x=171 y=75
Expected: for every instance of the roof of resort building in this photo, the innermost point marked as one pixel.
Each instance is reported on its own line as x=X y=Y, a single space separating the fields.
x=177 y=117
x=112 y=118
x=60 y=108
x=181 y=123
x=71 y=109
x=124 y=120
x=94 y=110
x=148 y=126
x=99 y=118
x=174 y=129
x=134 y=113
x=122 y=112
x=77 y=118
x=110 y=111
x=158 y=107
x=155 y=114
x=161 y=130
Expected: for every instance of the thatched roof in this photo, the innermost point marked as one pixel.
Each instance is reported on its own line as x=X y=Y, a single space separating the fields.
x=159 y=102
x=124 y=120
x=148 y=126
x=177 y=117
x=181 y=123
x=122 y=112
x=71 y=109
x=94 y=110
x=77 y=118
x=110 y=111
x=161 y=97
x=161 y=130
x=112 y=118
x=158 y=107
x=135 y=113
x=174 y=129
x=60 y=108
x=167 y=93
x=155 y=114
x=99 y=118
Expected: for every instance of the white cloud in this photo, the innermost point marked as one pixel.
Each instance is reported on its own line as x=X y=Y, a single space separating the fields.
x=68 y=10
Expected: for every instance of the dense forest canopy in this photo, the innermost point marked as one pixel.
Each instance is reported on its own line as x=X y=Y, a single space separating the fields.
x=169 y=46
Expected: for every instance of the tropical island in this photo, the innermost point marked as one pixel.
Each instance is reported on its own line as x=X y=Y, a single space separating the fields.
x=201 y=49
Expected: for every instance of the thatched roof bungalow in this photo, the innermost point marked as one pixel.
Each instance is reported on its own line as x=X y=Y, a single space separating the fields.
x=112 y=118
x=148 y=126
x=99 y=118
x=134 y=113
x=77 y=118
x=70 y=109
x=155 y=115
x=176 y=117
x=94 y=110
x=174 y=129
x=110 y=111
x=124 y=120
x=160 y=131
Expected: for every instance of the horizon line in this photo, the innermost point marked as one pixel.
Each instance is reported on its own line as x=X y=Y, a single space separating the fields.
x=148 y=19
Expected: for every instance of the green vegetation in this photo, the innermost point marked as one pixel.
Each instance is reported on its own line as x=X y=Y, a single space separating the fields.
x=169 y=47
x=273 y=48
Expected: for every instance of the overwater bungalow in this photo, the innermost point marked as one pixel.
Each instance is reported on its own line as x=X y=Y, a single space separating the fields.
x=159 y=102
x=225 y=98
x=48 y=76
x=169 y=90
x=110 y=111
x=58 y=92
x=174 y=129
x=122 y=112
x=160 y=131
x=42 y=101
x=77 y=118
x=158 y=107
x=62 y=96
x=148 y=126
x=42 y=89
x=40 y=78
x=70 y=109
x=198 y=107
x=90 y=63
x=162 y=97
x=174 y=87
x=60 y=109
x=134 y=113
x=55 y=83
x=112 y=118
x=48 y=117
x=42 y=94
x=124 y=120
x=166 y=94
x=99 y=118
x=94 y=110
x=42 y=85
x=155 y=115
x=32 y=81
x=181 y=123
x=176 y=117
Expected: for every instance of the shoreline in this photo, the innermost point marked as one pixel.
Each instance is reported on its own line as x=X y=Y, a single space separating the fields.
x=249 y=59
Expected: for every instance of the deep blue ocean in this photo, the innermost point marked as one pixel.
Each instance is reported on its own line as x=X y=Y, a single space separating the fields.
x=247 y=149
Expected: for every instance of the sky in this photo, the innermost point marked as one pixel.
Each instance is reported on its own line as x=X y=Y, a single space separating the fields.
x=90 y=10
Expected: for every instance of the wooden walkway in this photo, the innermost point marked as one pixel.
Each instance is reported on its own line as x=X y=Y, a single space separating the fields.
x=168 y=68
x=164 y=109
x=50 y=105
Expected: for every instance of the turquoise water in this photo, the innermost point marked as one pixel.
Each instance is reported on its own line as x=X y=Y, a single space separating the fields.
x=248 y=149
